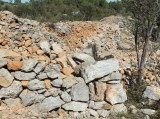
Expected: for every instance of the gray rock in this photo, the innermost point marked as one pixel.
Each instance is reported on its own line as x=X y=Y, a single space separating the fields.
x=69 y=82
x=11 y=101
x=66 y=97
x=6 y=78
x=24 y=76
x=62 y=28
x=93 y=113
x=53 y=67
x=52 y=92
x=41 y=91
x=12 y=91
x=44 y=45
x=83 y=57
x=29 y=65
x=118 y=108
x=50 y=103
x=42 y=76
x=98 y=105
x=151 y=92
x=148 y=111
x=30 y=97
x=75 y=106
x=57 y=82
x=103 y=113
x=53 y=74
x=80 y=92
x=36 y=84
x=116 y=76
x=39 y=68
x=115 y=94
x=99 y=69
x=3 y=62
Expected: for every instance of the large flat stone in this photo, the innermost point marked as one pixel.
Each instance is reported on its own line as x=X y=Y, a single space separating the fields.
x=24 y=76
x=99 y=69
x=75 y=106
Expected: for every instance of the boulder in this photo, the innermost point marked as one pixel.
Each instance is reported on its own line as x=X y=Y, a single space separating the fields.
x=82 y=57
x=99 y=69
x=6 y=78
x=75 y=106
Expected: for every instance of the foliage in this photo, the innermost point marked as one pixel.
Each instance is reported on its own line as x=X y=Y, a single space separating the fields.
x=56 y=10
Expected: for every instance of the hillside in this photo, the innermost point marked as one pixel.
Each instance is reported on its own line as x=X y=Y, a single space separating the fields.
x=48 y=70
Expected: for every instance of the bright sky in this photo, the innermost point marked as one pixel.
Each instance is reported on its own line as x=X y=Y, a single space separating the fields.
x=28 y=0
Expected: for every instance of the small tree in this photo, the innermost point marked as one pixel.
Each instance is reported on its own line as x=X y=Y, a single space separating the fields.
x=145 y=14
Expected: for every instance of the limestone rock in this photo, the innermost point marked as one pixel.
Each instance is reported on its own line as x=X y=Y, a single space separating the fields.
x=14 y=65
x=80 y=92
x=51 y=103
x=75 y=106
x=30 y=97
x=11 y=101
x=115 y=94
x=57 y=82
x=103 y=113
x=36 y=85
x=152 y=92
x=69 y=82
x=83 y=57
x=29 y=65
x=24 y=76
x=92 y=71
x=118 y=108
x=39 y=67
x=6 y=78
x=66 y=97
x=44 y=45
x=12 y=91
x=148 y=111
x=4 y=53
x=3 y=62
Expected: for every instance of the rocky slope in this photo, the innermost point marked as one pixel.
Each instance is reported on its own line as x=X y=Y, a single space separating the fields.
x=48 y=71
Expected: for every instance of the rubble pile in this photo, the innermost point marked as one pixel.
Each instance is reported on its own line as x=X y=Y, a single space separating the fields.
x=51 y=73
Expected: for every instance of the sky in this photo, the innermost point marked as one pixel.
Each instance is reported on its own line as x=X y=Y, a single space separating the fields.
x=28 y=0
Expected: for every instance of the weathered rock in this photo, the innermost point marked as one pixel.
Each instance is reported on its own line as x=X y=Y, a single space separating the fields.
x=47 y=83
x=118 y=108
x=115 y=94
x=30 y=97
x=11 y=101
x=148 y=111
x=12 y=91
x=29 y=65
x=3 y=62
x=42 y=76
x=24 y=76
x=53 y=74
x=66 y=97
x=69 y=82
x=81 y=57
x=68 y=71
x=52 y=92
x=39 y=67
x=90 y=71
x=4 y=53
x=97 y=91
x=14 y=65
x=6 y=78
x=57 y=82
x=100 y=105
x=36 y=85
x=152 y=92
x=50 y=103
x=57 y=48
x=75 y=106
x=44 y=45
x=80 y=92
x=103 y=113
x=93 y=113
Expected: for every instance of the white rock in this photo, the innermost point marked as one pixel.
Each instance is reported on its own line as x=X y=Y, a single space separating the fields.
x=99 y=69
x=148 y=111
x=29 y=65
x=44 y=45
x=75 y=106
x=35 y=84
